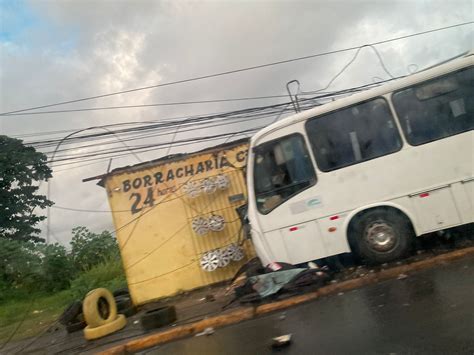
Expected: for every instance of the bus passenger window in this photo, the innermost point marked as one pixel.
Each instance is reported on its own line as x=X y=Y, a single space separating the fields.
x=438 y=108
x=353 y=134
x=282 y=168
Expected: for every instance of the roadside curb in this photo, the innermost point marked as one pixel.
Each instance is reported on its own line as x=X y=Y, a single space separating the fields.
x=246 y=313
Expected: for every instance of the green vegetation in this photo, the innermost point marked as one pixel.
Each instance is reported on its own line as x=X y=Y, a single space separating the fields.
x=37 y=281
x=22 y=169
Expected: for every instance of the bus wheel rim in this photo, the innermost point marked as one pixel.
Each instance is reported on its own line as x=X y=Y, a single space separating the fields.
x=380 y=236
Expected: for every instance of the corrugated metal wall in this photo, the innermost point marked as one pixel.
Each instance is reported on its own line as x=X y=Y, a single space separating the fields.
x=153 y=217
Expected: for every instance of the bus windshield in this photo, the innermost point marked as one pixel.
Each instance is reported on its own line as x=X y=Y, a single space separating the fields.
x=282 y=169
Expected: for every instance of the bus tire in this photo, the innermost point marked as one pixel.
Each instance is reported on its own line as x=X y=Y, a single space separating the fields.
x=99 y=307
x=381 y=235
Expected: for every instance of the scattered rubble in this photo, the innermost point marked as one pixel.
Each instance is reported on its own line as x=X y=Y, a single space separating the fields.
x=281 y=341
x=207 y=331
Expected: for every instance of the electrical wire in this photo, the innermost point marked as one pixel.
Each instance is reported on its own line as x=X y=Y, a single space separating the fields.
x=147 y=146
x=147 y=211
x=164 y=274
x=150 y=105
x=234 y=71
x=173 y=121
x=160 y=133
x=85 y=210
x=142 y=147
x=149 y=123
x=344 y=68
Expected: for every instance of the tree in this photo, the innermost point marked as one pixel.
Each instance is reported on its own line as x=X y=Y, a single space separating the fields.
x=21 y=169
x=89 y=249
x=57 y=268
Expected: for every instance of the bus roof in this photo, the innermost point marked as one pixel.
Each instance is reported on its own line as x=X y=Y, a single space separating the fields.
x=459 y=62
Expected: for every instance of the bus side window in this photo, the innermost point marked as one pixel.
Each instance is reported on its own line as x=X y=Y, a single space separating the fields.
x=438 y=108
x=353 y=134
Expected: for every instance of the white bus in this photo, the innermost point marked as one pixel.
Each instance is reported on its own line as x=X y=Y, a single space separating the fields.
x=367 y=173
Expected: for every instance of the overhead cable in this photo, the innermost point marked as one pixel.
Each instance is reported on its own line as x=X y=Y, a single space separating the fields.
x=234 y=71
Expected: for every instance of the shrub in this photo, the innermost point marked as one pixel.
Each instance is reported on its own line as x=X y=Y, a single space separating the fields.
x=90 y=249
x=57 y=268
x=108 y=274
x=20 y=263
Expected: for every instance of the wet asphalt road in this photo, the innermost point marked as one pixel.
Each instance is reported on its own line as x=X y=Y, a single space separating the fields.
x=430 y=312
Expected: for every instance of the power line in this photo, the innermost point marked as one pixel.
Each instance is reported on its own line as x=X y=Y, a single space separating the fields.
x=159 y=134
x=160 y=124
x=164 y=274
x=150 y=105
x=150 y=123
x=144 y=147
x=238 y=116
x=83 y=210
x=169 y=123
x=238 y=70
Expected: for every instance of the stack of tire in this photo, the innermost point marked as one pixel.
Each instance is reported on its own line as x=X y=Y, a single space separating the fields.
x=124 y=302
x=101 y=313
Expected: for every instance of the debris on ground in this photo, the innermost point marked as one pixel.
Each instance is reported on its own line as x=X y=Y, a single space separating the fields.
x=207 y=331
x=255 y=283
x=210 y=298
x=402 y=276
x=281 y=341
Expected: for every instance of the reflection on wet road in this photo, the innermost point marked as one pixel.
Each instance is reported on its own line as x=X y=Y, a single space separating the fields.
x=430 y=312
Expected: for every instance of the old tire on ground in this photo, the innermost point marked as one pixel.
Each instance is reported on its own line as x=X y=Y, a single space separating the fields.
x=70 y=313
x=121 y=292
x=98 y=332
x=381 y=235
x=158 y=317
x=74 y=327
x=128 y=312
x=99 y=307
x=125 y=306
x=123 y=302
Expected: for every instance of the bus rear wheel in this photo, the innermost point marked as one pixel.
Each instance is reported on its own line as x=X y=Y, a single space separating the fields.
x=381 y=235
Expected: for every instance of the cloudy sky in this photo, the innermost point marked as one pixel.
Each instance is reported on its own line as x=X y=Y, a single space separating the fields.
x=52 y=51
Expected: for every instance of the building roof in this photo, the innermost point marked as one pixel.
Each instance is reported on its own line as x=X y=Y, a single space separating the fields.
x=164 y=160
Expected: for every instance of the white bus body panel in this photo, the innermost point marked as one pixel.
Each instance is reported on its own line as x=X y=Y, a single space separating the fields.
x=431 y=183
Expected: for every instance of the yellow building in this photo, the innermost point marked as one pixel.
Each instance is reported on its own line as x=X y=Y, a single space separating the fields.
x=176 y=216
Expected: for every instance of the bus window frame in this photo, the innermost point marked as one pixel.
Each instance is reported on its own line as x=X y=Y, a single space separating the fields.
x=308 y=151
x=413 y=86
x=396 y=124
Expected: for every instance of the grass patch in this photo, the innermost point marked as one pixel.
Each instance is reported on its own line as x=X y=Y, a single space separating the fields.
x=39 y=310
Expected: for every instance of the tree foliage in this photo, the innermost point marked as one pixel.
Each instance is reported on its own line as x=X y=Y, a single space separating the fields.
x=89 y=249
x=27 y=266
x=21 y=169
